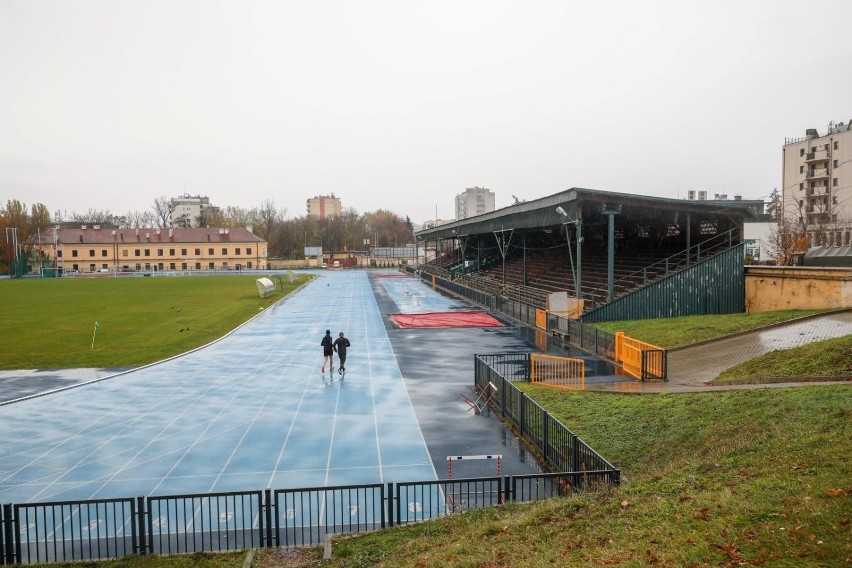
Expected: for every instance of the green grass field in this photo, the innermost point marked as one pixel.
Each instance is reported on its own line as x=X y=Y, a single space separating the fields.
x=49 y=323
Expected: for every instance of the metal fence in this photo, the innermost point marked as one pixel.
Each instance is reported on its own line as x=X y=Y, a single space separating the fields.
x=40 y=533
x=557 y=445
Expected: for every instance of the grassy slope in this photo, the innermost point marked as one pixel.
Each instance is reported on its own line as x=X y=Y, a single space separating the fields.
x=676 y=332
x=49 y=323
x=723 y=478
x=831 y=357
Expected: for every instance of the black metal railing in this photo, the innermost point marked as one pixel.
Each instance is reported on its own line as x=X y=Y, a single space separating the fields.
x=557 y=445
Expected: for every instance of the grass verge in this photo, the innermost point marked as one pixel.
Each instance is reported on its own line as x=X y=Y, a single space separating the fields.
x=757 y=477
x=829 y=358
x=50 y=323
x=677 y=332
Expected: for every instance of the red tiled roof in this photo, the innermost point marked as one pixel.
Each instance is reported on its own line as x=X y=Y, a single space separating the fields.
x=109 y=236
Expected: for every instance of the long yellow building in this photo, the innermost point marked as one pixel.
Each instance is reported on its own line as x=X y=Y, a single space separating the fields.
x=94 y=249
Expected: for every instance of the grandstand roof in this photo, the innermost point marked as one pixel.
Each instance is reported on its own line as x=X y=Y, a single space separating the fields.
x=542 y=212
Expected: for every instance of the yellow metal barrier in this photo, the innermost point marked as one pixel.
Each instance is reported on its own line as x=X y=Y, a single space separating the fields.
x=558 y=372
x=541 y=318
x=541 y=315
x=628 y=352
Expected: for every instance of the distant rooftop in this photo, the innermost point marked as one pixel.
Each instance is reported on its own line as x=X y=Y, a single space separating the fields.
x=813 y=133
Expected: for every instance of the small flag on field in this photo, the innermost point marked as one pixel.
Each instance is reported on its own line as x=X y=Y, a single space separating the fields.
x=93 y=334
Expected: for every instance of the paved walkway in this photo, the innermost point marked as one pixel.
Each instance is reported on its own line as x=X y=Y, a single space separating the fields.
x=691 y=368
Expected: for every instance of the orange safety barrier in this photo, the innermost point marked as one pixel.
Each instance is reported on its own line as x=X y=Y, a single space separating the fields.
x=541 y=315
x=628 y=352
x=559 y=372
x=541 y=318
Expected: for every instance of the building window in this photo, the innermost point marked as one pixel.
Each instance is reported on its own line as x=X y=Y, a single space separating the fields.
x=835 y=163
x=248 y=252
x=836 y=145
x=159 y=252
x=103 y=252
x=91 y=268
x=834 y=182
x=74 y=253
x=801 y=186
x=171 y=252
x=124 y=252
x=59 y=254
x=198 y=266
x=801 y=152
x=237 y=252
x=197 y=252
x=826 y=147
x=211 y=266
x=183 y=253
x=224 y=251
x=147 y=252
x=183 y=266
x=172 y=266
x=210 y=251
x=91 y=252
x=801 y=169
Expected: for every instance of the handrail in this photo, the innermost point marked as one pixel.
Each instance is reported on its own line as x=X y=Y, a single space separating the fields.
x=667 y=262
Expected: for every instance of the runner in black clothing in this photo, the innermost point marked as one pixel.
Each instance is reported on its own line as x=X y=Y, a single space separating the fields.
x=327 y=350
x=340 y=345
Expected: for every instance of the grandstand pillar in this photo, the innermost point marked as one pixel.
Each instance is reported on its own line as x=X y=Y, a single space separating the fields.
x=610 y=259
x=688 y=231
x=579 y=226
x=611 y=212
x=524 y=244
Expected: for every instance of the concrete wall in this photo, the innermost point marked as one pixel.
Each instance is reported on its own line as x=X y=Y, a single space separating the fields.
x=770 y=288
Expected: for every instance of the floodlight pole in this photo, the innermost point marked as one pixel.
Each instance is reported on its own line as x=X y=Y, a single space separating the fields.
x=577 y=274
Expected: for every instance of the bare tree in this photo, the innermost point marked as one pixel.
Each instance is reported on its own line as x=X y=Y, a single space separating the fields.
x=787 y=237
x=94 y=216
x=138 y=219
x=268 y=216
x=162 y=212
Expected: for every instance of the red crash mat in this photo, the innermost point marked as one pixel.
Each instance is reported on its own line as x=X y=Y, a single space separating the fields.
x=445 y=319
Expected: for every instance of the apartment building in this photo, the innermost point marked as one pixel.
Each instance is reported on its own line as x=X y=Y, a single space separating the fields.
x=323 y=206
x=91 y=248
x=474 y=201
x=186 y=210
x=817 y=183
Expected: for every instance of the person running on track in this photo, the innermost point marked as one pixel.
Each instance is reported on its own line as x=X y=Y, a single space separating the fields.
x=340 y=345
x=327 y=350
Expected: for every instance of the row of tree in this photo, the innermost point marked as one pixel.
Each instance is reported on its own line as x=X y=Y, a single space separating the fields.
x=287 y=238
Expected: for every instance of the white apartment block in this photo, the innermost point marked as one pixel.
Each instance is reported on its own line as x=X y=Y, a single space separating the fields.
x=186 y=210
x=323 y=206
x=474 y=201
x=817 y=184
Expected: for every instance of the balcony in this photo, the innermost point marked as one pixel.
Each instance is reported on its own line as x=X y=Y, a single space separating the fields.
x=818 y=156
x=819 y=173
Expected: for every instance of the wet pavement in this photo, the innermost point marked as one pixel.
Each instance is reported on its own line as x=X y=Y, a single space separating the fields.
x=434 y=365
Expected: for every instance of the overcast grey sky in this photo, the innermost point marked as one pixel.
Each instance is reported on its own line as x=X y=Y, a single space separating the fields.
x=400 y=105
